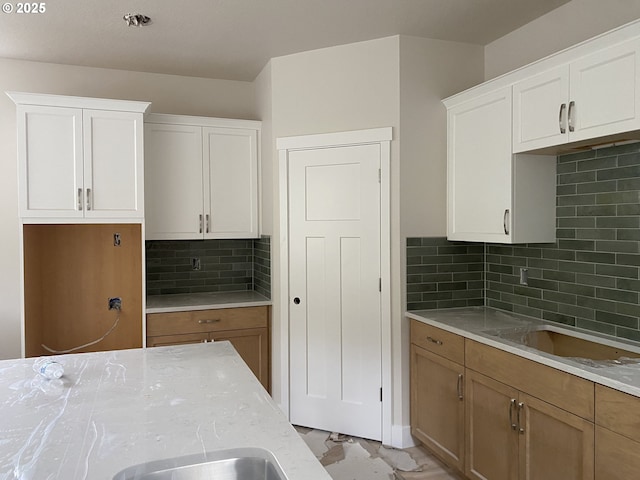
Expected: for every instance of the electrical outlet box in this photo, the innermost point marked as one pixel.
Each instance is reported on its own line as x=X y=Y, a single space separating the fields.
x=195 y=264
x=115 y=303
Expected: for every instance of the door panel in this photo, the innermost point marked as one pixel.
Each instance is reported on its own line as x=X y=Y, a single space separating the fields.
x=335 y=332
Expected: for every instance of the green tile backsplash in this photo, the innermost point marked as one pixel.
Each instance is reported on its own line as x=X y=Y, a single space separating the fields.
x=590 y=277
x=225 y=265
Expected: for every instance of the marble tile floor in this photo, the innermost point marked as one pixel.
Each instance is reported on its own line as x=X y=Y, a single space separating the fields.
x=352 y=458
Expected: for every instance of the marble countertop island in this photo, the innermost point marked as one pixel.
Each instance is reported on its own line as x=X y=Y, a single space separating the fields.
x=117 y=409
x=501 y=329
x=204 y=301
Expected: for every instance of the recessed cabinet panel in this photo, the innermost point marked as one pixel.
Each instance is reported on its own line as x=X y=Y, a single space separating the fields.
x=231 y=196
x=50 y=161
x=605 y=87
x=540 y=109
x=479 y=168
x=173 y=182
x=113 y=168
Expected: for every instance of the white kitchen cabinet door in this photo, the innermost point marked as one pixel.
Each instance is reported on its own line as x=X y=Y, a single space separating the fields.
x=50 y=159
x=479 y=168
x=173 y=182
x=493 y=195
x=540 y=109
x=113 y=164
x=605 y=92
x=230 y=182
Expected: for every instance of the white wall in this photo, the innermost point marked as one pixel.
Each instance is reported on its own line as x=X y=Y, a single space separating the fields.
x=169 y=94
x=561 y=28
x=430 y=70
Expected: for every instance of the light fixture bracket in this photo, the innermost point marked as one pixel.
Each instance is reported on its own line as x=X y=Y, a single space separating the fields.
x=136 y=20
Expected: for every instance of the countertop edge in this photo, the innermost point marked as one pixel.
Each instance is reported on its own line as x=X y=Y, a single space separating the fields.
x=529 y=354
x=211 y=306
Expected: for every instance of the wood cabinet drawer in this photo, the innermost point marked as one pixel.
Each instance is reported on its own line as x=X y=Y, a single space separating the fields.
x=571 y=393
x=618 y=411
x=206 y=320
x=436 y=340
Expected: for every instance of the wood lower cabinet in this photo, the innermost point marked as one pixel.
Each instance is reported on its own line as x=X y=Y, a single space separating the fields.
x=247 y=329
x=437 y=400
x=617 y=435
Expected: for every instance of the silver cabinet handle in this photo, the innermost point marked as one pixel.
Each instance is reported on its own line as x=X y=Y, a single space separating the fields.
x=207 y=217
x=561 y=119
x=89 y=199
x=505 y=221
x=572 y=106
x=459 y=387
x=433 y=340
x=512 y=406
x=80 y=199
x=520 y=428
x=200 y=219
x=209 y=320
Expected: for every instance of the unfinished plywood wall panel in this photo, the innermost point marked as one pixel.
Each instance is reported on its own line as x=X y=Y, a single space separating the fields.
x=71 y=271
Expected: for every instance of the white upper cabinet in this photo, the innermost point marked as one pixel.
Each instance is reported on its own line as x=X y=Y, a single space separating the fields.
x=494 y=196
x=594 y=96
x=79 y=159
x=201 y=178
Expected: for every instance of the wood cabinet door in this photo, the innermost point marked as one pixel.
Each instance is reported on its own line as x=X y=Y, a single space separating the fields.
x=554 y=444
x=113 y=164
x=50 y=161
x=605 y=89
x=617 y=457
x=540 y=109
x=479 y=170
x=437 y=406
x=173 y=182
x=230 y=182
x=491 y=450
x=253 y=346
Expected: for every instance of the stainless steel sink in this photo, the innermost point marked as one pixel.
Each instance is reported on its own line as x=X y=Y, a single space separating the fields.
x=566 y=343
x=233 y=464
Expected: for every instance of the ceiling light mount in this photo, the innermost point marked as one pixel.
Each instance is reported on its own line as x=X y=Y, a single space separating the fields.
x=136 y=20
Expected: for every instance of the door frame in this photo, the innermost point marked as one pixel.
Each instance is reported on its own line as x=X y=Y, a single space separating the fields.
x=280 y=321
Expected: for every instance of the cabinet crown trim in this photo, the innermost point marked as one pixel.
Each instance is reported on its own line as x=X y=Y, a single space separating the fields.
x=169 y=119
x=22 y=98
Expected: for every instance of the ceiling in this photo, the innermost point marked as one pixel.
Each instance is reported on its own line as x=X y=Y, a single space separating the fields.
x=234 y=39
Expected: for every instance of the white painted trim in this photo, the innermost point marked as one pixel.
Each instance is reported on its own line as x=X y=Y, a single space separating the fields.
x=372 y=135
x=202 y=121
x=21 y=98
x=402 y=437
x=280 y=320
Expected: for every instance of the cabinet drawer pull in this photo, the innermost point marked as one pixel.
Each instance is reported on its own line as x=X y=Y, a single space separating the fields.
x=209 y=320
x=512 y=406
x=80 y=199
x=200 y=219
x=207 y=218
x=572 y=107
x=561 y=119
x=520 y=427
x=89 y=202
x=459 y=387
x=505 y=221
x=433 y=340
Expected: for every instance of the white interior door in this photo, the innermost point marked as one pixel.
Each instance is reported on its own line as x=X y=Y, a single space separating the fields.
x=334 y=275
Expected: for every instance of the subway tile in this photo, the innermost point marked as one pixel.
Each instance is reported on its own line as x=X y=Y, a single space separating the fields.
x=628 y=234
x=570 y=189
x=617 y=271
x=555 y=274
x=595 y=326
x=582 y=177
x=628 y=309
x=619 y=172
x=566 y=211
x=577 y=267
x=618 y=222
x=618 y=197
x=617 y=319
x=568 y=167
x=625 y=184
x=617 y=295
x=531 y=312
x=545 y=305
x=576 y=310
x=598 y=163
x=628 y=333
x=595 y=234
x=617 y=246
x=595 y=280
x=577 y=222
x=629 y=159
x=628 y=259
x=573 y=157
x=559 y=318
x=586 y=199
x=559 y=297
x=619 y=150
x=596 y=210
x=513 y=299
x=577 y=289
x=628 y=284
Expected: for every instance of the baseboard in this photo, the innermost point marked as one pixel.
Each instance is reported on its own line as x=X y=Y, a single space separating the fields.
x=401 y=437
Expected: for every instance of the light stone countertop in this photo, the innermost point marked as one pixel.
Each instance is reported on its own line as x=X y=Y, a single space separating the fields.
x=120 y=408
x=204 y=301
x=496 y=328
